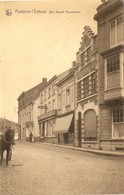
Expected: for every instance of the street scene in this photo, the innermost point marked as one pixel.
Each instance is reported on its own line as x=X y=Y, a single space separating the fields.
x=62 y=97
x=42 y=169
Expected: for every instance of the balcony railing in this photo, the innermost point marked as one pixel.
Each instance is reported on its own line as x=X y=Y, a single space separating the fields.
x=49 y=114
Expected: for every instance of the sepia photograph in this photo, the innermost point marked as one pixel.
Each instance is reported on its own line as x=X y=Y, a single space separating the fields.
x=61 y=97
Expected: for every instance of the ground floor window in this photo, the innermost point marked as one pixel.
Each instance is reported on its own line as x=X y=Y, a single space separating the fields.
x=90 y=126
x=118 y=123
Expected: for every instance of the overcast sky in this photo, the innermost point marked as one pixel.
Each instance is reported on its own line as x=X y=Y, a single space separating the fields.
x=35 y=43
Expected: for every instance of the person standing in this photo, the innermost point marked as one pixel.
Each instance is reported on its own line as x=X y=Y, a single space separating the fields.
x=31 y=136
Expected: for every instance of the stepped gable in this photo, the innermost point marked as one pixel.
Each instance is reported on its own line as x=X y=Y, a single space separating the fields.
x=88 y=34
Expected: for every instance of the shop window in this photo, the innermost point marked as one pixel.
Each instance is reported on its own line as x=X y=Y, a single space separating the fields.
x=90 y=126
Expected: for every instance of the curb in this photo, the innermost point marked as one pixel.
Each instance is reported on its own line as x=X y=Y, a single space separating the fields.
x=97 y=152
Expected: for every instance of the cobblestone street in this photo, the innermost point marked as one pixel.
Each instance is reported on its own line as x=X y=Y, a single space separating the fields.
x=41 y=169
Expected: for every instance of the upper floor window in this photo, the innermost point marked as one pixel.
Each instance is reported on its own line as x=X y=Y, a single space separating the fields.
x=45 y=95
x=53 y=89
x=53 y=104
x=42 y=98
x=60 y=101
x=117 y=31
x=67 y=97
x=49 y=92
x=86 y=87
x=49 y=106
x=113 y=64
x=93 y=83
x=86 y=56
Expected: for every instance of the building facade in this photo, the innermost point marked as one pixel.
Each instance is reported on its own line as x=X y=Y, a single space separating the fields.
x=64 y=126
x=48 y=111
x=86 y=89
x=28 y=111
x=110 y=25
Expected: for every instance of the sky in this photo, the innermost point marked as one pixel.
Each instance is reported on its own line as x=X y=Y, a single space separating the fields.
x=40 y=39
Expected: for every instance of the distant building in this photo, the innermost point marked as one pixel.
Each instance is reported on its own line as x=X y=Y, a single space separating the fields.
x=28 y=111
x=86 y=89
x=110 y=22
x=5 y=124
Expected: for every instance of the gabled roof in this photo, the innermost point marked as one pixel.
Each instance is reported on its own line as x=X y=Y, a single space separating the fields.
x=31 y=95
x=65 y=75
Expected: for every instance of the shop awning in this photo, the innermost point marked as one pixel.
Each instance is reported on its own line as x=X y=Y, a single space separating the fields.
x=63 y=124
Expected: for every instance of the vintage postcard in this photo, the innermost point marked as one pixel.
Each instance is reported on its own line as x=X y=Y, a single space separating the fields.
x=61 y=97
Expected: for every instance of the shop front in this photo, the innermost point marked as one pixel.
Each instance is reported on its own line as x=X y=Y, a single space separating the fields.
x=64 y=128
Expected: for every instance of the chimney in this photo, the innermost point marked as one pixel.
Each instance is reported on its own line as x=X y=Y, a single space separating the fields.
x=73 y=64
x=44 y=80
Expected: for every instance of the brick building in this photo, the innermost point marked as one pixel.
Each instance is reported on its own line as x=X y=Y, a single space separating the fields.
x=86 y=89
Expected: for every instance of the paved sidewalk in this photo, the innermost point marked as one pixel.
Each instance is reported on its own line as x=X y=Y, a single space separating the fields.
x=99 y=152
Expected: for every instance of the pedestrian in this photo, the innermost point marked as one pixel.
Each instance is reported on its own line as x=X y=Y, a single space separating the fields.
x=31 y=136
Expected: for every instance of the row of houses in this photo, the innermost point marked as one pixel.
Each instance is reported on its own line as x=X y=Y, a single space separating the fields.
x=83 y=106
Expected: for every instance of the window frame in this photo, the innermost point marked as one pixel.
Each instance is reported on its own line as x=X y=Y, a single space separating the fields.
x=114 y=27
x=117 y=119
x=113 y=64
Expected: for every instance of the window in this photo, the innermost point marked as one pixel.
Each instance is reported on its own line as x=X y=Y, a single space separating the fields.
x=60 y=101
x=113 y=64
x=42 y=98
x=49 y=106
x=117 y=31
x=118 y=123
x=90 y=125
x=86 y=87
x=49 y=92
x=93 y=84
x=88 y=54
x=67 y=97
x=45 y=95
x=83 y=59
x=54 y=104
x=53 y=89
